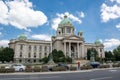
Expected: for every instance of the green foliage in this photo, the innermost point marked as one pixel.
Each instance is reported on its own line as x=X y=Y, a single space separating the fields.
x=117 y=53
x=68 y=59
x=109 y=56
x=58 y=56
x=6 y=54
x=94 y=51
x=45 y=59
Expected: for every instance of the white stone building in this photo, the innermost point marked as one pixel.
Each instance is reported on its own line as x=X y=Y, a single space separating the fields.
x=72 y=45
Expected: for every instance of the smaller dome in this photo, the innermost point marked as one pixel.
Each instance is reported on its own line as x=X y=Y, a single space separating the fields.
x=80 y=31
x=98 y=41
x=65 y=21
x=22 y=37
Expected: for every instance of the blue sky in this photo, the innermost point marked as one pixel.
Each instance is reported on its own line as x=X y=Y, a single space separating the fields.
x=37 y=19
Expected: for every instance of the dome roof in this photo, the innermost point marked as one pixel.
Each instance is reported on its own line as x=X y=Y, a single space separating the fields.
x=98 y=42
x=65 y=21
x=80 y=31
x=22 y=37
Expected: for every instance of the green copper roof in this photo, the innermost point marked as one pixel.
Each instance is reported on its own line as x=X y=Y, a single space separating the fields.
x=22 y=37
x=81 y=31
x=65 y=21
x=97 y=42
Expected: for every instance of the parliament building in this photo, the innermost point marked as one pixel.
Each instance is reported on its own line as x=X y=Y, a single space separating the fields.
x=31 y=51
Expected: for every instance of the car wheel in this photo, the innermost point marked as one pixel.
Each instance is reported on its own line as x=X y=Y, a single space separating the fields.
x=20 y=69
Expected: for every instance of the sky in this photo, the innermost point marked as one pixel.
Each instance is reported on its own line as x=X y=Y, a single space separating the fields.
x=39 y=19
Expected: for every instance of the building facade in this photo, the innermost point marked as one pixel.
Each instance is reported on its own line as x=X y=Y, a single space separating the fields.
x=72 y=45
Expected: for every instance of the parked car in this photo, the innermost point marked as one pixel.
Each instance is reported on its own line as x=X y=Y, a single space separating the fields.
x=17 y=67
x=64 y=65
x=94 y=64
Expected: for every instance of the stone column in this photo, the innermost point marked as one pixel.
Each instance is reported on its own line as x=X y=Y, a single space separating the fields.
x=65 y=48
x=78 y=50
x=82 y=50
x=69 y=49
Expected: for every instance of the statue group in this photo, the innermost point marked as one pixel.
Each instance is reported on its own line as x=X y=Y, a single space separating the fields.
x=92 y=57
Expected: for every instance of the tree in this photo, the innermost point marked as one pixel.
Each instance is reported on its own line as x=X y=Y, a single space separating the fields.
x=58 y=56
x=6 y=54
x=45 y=59
x=89 y=53
x=109 y=56
x=117 y=53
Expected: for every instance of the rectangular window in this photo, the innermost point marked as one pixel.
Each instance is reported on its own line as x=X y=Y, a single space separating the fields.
x=29 y=55
x=40 y=55
x=45 y=48
x=21 y=47
x=40 y=48
x=35 y=48
x=30 y=47
x=68 y=30
x=63 y=31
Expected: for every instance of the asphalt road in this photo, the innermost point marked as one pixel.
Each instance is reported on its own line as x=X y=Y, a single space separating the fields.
x=113 y=74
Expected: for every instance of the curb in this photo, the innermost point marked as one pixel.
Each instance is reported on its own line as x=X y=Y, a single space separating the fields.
x=57 y=72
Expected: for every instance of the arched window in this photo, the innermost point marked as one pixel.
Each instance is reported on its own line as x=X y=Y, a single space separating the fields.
x=45 y=54
x=20 y=54
x=34 y=55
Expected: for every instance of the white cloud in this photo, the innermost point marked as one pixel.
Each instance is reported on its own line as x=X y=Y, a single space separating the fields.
x=0 y=33
x=118 y=1
x=4 y=43
x=109 y=12
x=111 y=43
x=4 y=11
x=81 y=14
x=20 y=14
x=118 y=26
x=59 y=17
x=41 y=37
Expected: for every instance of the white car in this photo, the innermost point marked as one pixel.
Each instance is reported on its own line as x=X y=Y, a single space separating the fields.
x=16 y=66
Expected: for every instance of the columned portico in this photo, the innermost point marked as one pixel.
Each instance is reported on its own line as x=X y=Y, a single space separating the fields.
x=73 y=47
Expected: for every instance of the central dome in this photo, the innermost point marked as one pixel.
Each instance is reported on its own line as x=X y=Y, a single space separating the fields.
x=65 y=21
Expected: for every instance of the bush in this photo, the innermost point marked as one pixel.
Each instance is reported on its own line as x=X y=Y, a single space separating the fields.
x=116 y=65
x=72 y=68
x=45 y=68
x=29 y=69
x=86 y=67
x=104 y=66
x=3 y=70
x=36 y=69
x=59 y=68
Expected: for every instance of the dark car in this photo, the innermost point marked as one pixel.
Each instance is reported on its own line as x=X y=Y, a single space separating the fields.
x=63 y=64
x=94 y=64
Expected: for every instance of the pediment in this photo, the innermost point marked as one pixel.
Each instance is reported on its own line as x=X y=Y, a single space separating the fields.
x=73 y=37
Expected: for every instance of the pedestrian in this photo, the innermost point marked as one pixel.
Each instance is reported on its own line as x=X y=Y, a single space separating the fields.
x=78 y=65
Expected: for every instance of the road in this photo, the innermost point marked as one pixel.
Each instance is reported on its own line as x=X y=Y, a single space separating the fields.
x=112 y=74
